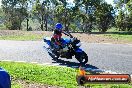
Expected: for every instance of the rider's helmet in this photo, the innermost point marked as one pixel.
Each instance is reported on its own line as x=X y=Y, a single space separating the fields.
x=58 y=28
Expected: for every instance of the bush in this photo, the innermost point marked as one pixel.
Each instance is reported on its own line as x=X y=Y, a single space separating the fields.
x=73 y=27
x=13 y=25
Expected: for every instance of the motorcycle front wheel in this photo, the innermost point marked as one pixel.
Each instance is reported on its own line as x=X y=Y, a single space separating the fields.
x=82 y=57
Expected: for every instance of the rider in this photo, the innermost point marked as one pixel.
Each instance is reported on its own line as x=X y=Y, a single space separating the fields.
x=57 y=33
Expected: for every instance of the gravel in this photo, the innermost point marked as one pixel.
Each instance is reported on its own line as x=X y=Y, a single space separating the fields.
x=25 y=84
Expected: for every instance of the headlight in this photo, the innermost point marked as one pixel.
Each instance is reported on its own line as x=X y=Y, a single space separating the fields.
x=79 y=44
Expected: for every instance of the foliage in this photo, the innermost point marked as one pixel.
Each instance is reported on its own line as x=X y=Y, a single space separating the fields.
x=86 y=15
x=15 y=12
x=104 y=16
x=124 y=17
x=42 y=11
x=64 y=14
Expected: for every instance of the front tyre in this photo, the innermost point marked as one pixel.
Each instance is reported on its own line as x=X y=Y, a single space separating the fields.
x=81 y=80
x=82 y=57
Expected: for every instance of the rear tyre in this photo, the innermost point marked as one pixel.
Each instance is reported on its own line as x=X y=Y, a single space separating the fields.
x=82 y=58
x=55 y=55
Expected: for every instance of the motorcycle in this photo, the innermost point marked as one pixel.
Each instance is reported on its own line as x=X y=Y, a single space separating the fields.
x=71 y=47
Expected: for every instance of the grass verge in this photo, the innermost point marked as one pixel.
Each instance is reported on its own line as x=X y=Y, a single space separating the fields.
x=127 y=37
x=109 y=36
x=51 y=75
x=59 y=76
x=22 y=37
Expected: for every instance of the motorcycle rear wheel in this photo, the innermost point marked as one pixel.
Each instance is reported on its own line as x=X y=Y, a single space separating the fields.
x=82 y=58
x=54 y=54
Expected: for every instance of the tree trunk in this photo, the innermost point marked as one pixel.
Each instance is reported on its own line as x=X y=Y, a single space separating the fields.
x=19 y=25
x=46 y=22
x=86 y=10
x=42 y=23
x=27 y=23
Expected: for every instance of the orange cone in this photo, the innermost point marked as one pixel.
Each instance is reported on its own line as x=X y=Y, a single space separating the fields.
x=82 y=72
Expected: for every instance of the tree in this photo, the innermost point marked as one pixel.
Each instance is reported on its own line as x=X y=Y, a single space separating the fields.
x=64 y=14
x=62 y=10
x=129 y=9
x=120 y=21
x=15 y=12
x=104 y=17
x=41 y=11
x=2 y=15
x=38 y=12
x=87 y=9
x=124 y=17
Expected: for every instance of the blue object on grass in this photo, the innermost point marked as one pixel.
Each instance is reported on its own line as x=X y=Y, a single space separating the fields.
x=4 y=79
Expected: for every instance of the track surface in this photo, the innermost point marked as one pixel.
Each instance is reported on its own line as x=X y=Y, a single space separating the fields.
x=114 y=57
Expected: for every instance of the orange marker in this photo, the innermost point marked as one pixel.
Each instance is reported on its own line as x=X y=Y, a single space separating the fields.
x=82 y=72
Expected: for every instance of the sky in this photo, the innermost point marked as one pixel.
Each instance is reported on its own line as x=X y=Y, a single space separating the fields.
x=0 y=3
x=108 y=1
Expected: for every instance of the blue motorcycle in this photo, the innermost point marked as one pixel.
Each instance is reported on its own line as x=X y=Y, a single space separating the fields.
x=71 y=47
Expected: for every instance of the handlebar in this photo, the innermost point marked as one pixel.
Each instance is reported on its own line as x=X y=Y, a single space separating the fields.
x=68 y=34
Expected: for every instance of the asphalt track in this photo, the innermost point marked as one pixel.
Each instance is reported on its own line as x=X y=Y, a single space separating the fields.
x=109 y=57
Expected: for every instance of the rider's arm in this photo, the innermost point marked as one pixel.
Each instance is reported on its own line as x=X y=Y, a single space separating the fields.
x=68 y=34
x=65 y=33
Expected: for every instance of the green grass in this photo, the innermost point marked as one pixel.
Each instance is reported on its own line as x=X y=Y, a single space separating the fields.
x=51 y=75
x=33 y=37
x=60 y=76
x=113 y=33
x=121 y=35
x=22 y=37
x=125 y=37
